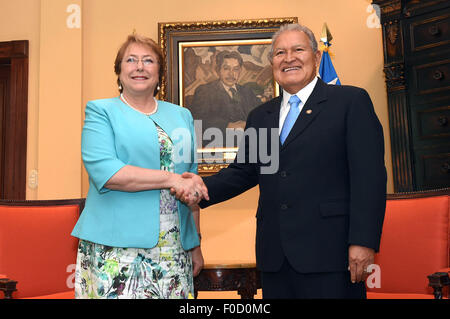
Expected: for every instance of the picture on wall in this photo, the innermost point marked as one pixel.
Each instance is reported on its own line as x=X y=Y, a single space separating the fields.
x=220 y=71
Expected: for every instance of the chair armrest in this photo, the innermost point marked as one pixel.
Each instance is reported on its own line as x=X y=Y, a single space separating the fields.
x=444 y=270
x=8 y=286
x=438 y=281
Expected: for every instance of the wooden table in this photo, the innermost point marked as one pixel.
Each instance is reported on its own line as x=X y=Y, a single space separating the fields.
x=244 y=278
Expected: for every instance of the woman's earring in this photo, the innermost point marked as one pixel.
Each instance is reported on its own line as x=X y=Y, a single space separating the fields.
x=158 y=88
x=120 y=87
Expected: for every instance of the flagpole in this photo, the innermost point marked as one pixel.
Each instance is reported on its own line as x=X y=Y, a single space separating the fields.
x=326 y=69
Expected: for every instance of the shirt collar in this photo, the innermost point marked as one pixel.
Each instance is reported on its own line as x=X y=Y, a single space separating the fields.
x=227 y=88
x=303 y=94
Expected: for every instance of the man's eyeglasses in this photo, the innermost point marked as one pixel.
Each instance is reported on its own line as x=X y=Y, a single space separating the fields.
x=135 y=61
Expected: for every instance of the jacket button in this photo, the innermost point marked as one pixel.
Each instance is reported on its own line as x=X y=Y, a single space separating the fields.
x=283 y=174
x=284 y=207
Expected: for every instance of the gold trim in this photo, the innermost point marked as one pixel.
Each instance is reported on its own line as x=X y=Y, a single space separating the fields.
x=226 y=24
x=210 y=169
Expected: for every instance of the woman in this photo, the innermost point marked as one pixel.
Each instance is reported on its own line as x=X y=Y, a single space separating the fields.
x=136 y=239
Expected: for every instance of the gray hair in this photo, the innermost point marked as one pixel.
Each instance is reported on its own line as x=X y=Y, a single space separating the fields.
x=293 y=27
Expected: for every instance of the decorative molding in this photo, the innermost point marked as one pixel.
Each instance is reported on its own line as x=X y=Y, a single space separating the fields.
x=392 y=31
x=400 y=142
x=393 y=41
x=395 y=76
x=392 y=8
x=412 y=6
x=389 y=7
x=225 y=24
x=419 y=194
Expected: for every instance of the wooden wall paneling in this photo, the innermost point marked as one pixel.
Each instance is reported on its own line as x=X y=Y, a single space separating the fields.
x=416 y=43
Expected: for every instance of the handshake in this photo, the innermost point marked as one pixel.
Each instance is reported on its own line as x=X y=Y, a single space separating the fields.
x=189 y=188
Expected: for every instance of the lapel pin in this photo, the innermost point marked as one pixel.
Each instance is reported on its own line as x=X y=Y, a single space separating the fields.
x=308 y=111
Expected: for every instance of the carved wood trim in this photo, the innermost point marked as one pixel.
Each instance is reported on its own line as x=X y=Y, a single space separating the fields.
x=388 y=8
x=419 y=194
x=395 y=76
x=400 y=142
x=245 y=280
x=44 y=202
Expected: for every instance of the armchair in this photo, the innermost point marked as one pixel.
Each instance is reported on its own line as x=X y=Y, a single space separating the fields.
x=415 y=244
x=37 y=253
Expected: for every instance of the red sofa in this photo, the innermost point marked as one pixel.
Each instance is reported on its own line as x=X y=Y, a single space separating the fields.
x=37 y=252
x=415 y=243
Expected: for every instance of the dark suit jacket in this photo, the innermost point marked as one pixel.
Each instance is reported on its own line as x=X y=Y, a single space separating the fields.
x=330 y=188
x=213 y=105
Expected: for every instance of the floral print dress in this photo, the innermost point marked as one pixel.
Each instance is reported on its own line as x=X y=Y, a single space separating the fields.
x=163 y=272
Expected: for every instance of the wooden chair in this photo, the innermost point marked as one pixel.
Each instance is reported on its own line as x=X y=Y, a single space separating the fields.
x=37 y=252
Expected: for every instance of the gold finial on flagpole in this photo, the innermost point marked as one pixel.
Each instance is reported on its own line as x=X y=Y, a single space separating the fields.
x=326 y=34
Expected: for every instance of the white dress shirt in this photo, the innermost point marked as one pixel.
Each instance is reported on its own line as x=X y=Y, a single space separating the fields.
x=303 y=95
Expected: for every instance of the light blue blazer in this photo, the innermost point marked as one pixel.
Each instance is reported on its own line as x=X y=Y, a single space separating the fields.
x=115 y=135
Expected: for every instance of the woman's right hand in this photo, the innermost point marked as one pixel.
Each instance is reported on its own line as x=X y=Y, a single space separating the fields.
x=189 y=188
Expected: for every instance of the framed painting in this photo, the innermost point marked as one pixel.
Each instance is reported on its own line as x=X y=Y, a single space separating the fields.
x=220 y=71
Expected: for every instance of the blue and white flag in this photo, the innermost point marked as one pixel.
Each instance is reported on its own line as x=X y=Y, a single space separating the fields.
x=326 y=70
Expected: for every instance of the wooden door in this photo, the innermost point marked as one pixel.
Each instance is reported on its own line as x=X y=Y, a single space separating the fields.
x=5 y=71
x=13 y=118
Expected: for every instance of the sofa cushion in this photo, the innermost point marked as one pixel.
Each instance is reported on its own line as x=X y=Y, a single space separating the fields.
x=36 y=248
x=414 y=244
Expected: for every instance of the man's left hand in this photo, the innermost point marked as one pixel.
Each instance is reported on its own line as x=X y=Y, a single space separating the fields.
x=359 y=258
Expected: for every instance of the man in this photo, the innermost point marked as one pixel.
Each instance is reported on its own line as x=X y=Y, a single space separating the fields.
x=320 y=217
x=223 y=103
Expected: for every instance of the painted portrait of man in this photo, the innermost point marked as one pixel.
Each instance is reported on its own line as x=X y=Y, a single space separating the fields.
x=223 y=88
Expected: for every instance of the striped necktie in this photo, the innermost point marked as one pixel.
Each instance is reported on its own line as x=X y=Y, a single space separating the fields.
x=294 y=111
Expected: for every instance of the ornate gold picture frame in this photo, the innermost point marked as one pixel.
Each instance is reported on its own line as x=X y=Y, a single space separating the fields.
x=203 y=60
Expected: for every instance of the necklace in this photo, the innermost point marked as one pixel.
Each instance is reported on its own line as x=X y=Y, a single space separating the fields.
x=126 y=102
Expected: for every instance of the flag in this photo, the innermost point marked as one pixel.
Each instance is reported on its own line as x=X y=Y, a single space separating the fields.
x=326 y=69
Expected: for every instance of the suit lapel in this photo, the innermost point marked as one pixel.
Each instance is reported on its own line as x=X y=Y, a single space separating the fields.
x=273 y=113
x=310 y=110
x=221 y=91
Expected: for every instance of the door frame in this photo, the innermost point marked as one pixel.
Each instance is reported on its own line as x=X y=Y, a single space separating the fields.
x=15 y=121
